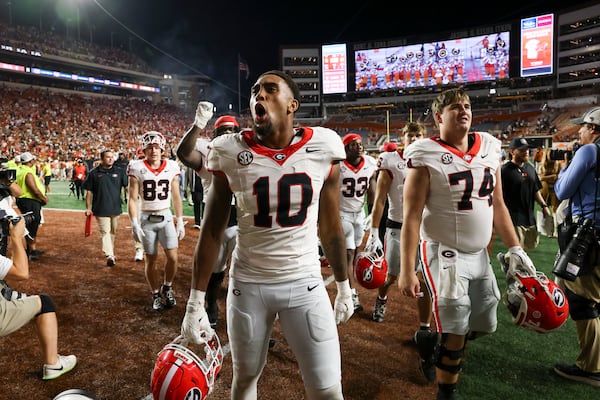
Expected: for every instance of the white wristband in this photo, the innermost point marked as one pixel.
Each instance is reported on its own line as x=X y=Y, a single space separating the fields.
x=374 y=231
x=343 y=288
x=197 y=296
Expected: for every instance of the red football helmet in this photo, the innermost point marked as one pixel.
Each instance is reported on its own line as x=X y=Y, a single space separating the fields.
x=536 y=302
x=370 y=269
x=225 y=123
x=179 y=374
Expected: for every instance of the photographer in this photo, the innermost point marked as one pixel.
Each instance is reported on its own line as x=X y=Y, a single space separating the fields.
x=32 y=200
x=578 y=183
x=15 y=314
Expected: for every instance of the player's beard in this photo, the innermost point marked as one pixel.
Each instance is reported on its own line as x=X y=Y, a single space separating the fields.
x=264 y=130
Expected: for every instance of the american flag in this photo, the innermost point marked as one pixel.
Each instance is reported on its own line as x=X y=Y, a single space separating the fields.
x=244 y=67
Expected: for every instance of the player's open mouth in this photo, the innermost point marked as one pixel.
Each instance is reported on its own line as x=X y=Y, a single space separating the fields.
x=260 y=112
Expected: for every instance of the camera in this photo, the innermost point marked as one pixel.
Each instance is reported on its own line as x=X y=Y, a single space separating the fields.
x=8 y=175
x=570 y=263
x=559 y=154
x=7 y=216
x=5 y=220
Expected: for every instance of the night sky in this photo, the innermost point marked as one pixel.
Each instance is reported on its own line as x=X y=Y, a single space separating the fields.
x=198 y=36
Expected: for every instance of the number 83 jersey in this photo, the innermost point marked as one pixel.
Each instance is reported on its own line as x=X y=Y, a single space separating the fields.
x=458 y=211
x=277 y=194
x=154 y=184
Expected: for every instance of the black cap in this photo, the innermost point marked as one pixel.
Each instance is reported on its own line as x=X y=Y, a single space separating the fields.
x=519 y=143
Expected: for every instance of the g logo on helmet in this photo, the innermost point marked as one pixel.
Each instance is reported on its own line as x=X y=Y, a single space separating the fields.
x=536 y=303
x=370 y=270
x=180 y=374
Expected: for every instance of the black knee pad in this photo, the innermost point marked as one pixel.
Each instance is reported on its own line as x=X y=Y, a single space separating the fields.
x=451 y=354
x=47 y=304
x=581 y=308
x=447 y=389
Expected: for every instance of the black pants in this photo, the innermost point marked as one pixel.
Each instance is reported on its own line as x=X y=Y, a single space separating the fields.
x=197 y=198
x=78 y=189
x=26 y=205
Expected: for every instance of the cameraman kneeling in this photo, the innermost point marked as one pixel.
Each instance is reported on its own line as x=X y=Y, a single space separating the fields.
x=16 y=313
x=578 y=183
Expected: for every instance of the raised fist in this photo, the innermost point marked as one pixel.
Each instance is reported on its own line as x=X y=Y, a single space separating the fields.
x=204 y=113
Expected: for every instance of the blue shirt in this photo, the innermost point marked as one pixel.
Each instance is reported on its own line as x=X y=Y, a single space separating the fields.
x=578 y=182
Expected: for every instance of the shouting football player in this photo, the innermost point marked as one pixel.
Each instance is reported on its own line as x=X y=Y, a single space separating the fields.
x=284 y=180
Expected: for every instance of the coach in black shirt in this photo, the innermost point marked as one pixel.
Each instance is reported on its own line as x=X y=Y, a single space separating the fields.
x=103 y=199
x=521 y=189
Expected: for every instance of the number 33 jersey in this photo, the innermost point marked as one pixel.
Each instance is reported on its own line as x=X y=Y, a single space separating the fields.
x=277 y=193
x=154 y=184
x=458 y=211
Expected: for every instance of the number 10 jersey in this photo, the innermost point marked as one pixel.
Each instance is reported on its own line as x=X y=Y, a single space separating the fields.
x=277 y=194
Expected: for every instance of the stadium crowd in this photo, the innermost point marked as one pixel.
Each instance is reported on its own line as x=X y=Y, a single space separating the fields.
x=52 y=43
x=65 y=127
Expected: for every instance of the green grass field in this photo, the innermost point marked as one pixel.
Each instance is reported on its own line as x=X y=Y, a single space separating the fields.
x=61 y=197
x=515 y=362
x=512 y=363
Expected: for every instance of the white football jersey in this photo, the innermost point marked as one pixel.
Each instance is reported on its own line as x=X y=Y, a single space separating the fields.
x=354 y=183
x=154 y=184
x=393 y=164
x=458 y=211
x=277 y=196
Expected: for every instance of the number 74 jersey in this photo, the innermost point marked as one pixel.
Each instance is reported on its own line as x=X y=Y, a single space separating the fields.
x=277 y=193
x=458 y=211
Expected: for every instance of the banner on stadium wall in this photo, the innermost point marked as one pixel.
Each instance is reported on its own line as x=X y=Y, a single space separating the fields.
x=537 y=45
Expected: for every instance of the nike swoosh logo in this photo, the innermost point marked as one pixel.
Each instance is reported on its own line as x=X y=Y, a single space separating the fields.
x=484 y=155
x=311 y=288
x=311 y=149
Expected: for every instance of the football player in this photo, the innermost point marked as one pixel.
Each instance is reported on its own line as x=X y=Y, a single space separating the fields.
x=153 y=185
x=390 y=183
x=193 y=152
x=357 y=186
x=448 y=217
x=284 y=179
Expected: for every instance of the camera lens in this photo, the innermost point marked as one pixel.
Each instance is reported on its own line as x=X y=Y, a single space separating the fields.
x=569 y=264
